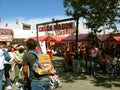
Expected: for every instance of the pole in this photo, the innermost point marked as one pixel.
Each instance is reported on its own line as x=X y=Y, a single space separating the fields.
x=56 y=21
x=37 y=31
x=77 y=23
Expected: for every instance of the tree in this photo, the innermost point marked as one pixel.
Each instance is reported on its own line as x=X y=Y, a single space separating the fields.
x=97 y=13
x=75 y=8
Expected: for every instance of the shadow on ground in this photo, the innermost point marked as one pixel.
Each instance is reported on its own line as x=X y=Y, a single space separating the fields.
x=106 y=81
x=99 y=81
x=66 y=76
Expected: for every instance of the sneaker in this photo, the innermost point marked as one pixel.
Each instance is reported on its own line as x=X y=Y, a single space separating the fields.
x=52 y=87
x=8 y=88
x=59 y=84
x=17 y=83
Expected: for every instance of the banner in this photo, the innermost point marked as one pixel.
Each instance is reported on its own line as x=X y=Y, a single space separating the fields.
x=6 y=24
x=26 y=27
x=58 y=27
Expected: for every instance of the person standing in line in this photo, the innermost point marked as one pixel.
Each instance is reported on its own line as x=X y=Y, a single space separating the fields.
x=94 y=59
x=83 y=57
x=1 y=65
x=33 y=80
x=7 y=68
x=16 y=48
x=2 y=59
x=18 y=63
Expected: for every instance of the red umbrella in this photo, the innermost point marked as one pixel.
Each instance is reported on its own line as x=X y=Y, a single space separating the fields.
x=46 y=38
x=59 y=38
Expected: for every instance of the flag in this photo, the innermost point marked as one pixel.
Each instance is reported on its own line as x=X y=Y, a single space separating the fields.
x=17 y=22
x=6 y=24
x=26 y=26
x=0 y=21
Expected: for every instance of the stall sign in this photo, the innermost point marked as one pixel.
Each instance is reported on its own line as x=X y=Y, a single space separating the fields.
x=6 y=38
x=62 y=26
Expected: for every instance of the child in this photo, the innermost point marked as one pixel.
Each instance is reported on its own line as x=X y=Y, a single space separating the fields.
x=54 y=82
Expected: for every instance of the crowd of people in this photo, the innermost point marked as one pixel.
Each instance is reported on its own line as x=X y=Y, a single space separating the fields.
x=20 y=64
x=16 y=53
x=90 y=58
x=93 y=58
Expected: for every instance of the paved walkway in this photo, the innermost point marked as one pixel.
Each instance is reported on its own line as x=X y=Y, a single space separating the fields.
x=80 y=81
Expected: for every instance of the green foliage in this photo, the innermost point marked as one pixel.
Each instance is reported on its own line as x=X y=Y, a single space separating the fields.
x=97 y=13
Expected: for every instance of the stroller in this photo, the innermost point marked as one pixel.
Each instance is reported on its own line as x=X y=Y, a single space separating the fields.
x=55 y=82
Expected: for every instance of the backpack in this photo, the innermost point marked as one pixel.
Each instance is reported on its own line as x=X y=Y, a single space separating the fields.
x=42 y=65
x=6 y=55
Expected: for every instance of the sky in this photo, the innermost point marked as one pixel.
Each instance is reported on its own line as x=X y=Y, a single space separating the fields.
x=31 y=10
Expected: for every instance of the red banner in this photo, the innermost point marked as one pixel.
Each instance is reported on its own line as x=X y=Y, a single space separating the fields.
x=62 y=26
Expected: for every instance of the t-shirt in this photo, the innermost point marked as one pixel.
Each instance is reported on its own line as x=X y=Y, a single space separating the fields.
x=19 y=56
x=83 y=51
x=1 y=59
x=29 y=59
x=94 y=52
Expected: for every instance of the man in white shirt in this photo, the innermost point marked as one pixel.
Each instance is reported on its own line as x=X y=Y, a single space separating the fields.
x=1 y=65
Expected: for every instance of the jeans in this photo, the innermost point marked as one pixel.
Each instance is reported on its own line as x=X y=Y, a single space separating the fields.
x=40 y=85
x=113 y=70
x=94 y=65
x=7 y=68
x=17 y=72
x=1 y=78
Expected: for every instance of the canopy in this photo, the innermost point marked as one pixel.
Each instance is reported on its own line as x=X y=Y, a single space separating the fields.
x=109 y=38
x=81 y=37
x=113 y=39
x=42 y=38
x=59 y=38
x=117 y=38
x=103 y=38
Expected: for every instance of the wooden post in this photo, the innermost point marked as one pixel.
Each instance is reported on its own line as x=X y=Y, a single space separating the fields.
x=77 y=23
x=37 y=35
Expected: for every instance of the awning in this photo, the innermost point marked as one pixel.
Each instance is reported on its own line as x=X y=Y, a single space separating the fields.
x=103 y=38
x=81 y=37
x=109 y=38
x=42 y=38
x=59 y=38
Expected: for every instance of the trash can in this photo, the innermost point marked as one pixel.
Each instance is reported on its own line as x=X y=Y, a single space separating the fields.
x=76 y=65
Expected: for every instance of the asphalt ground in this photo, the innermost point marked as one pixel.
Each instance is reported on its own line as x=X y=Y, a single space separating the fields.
x=79 y=81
